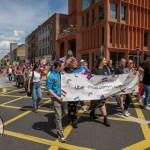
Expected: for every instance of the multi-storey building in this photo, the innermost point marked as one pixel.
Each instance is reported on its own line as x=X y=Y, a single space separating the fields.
x=42 y=41
x=109 y=28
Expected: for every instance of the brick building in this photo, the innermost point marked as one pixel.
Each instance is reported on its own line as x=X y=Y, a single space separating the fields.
x=42 y=41
x=110 y=28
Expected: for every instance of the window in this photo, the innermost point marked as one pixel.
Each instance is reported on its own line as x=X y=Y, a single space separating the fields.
x=82 y=21
x=85 y=4
x=101 y=12
x=88 y=19
x=111 y=31
x=145 y=39
x=103 y=35
x=93 y=16
x=113 y=10
x=123 y=13
x=95 y=1
x=52 y=24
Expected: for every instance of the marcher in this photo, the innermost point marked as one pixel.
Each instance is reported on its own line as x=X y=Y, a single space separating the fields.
x=54 y=89
x=34 y=79
x=100 y=70
x=9 y=72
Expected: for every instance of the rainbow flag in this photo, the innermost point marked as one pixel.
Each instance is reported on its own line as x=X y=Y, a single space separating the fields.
x=141 y=90
x=89 y=77
x=63 y=93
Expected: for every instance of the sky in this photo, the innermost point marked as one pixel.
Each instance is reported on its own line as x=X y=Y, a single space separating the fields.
x=18 y=18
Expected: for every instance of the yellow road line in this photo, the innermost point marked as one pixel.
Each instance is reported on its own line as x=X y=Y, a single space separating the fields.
x=43 y=141
x=12 y=96
x=139 y=146
x=4 y=90
x=21 y=115
x=145 y=128
x=12 y=91
x=27 y=109
x=11 y=101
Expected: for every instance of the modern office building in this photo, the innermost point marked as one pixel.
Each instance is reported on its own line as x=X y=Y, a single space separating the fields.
x=109 y=28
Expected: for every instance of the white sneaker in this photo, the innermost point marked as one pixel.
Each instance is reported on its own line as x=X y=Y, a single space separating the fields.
x=146 y=107
x=126 y=114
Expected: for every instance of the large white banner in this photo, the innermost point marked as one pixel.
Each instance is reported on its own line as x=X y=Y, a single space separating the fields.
x=84 y=87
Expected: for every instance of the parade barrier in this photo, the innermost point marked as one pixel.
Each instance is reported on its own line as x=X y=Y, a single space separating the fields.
x=75 y=87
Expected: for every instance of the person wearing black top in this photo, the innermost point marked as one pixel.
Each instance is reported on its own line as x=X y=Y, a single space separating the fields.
x=128 y=98
x=71 y=66
x=145 y=67
x=100 y=70
x=110 y=66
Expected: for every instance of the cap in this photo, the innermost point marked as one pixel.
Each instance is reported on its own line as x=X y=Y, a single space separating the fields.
x=82 y=60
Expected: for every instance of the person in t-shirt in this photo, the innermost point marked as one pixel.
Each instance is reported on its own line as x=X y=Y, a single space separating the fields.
x=145 y=67
x=9 y=72
x=35 y=79
x=101 y=69
x=128 y=98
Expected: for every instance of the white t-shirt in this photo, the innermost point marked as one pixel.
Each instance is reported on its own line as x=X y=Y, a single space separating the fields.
x=36 y=77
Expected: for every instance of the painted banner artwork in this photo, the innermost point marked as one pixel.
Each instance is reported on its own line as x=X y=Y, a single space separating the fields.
x=75 y=87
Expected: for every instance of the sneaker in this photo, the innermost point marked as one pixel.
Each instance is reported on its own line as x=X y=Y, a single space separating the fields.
x=74 y=123
x=126 y=114
x=61 y=137
x=146 y=107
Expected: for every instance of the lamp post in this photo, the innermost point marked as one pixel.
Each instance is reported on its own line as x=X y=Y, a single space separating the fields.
x=138 y=56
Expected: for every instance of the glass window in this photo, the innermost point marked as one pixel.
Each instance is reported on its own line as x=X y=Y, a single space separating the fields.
x=85 y=4
x=111 y=32
x=113 y=10
x=95 y=1
x=93 y=16
x=88 y=19
x=123 y=13
x=82 y=21
x=145 y=39
x=101 y=12
x=103 y=35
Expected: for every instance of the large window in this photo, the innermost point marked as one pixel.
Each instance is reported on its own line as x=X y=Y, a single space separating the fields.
x=93 y=16
x=103 y=32
x=123 y=13
x=85 y=4
x=82 y=21
x=111 y=32
x=113 y=11
x=145 y=39
x=95 y=1
x=101 y=12
x=88 y=19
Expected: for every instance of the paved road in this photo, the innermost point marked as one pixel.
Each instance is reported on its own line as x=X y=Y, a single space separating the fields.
x=25 y=129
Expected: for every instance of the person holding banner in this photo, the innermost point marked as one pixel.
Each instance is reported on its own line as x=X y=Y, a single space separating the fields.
x=54 y=89
x=101 y=69
x=145 y=67
x=128 y=98
x=71 y=66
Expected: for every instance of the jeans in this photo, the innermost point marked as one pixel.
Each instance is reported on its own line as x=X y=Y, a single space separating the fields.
x=147 y=92
x=10 y=77
x=36 y=94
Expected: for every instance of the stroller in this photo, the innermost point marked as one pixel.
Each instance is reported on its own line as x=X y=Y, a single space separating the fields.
x=20 y=81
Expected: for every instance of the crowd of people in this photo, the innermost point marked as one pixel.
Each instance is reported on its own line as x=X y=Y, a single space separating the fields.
x=32 y=82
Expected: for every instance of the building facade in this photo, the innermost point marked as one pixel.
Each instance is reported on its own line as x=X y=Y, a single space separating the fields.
x=42 y=41
x=109 y=28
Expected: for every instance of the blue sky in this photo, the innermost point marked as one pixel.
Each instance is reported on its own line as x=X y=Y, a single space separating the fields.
x=18 y=18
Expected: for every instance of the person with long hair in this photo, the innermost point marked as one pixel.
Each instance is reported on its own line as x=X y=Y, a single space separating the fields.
x=34 y=80
x=101 y=69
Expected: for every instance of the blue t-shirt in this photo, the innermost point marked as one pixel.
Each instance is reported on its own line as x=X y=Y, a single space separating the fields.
x=54 y=82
